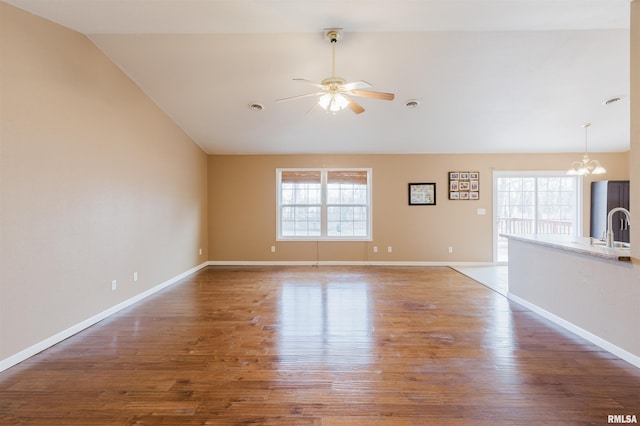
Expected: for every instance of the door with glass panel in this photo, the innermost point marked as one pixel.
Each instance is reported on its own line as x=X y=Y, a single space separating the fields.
x=534 y=203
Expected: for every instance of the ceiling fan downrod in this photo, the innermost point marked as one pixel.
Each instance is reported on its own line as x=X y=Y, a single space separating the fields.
x=333 y=38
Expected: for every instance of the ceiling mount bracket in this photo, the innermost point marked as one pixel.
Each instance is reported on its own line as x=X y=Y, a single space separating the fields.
x=333 y=34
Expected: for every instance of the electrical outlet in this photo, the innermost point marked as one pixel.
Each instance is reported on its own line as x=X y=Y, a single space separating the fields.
x=375 y=249
x=114 y=285
x=389 y=249
x=135 y=276
x=200 y=252
x=450 y=249
x=273 y=249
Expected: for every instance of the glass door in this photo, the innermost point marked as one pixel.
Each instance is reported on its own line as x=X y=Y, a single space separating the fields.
x=534 y=203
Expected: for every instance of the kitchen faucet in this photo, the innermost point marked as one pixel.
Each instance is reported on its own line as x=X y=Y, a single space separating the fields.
x=610 y=224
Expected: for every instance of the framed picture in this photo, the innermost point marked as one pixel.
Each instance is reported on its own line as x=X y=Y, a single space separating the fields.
x=422 y=194
x=464 y=185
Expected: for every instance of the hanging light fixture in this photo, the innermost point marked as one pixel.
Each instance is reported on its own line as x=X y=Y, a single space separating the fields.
x=333 y=101
x=586 y=165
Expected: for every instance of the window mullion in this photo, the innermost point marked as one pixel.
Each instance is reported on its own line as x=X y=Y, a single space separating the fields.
x=323 y=208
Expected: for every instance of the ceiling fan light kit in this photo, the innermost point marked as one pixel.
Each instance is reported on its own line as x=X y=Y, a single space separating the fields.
x=335 y=93
x=333 y=103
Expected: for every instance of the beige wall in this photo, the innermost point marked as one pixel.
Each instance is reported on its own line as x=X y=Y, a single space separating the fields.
x=242 y=209
x=96 y=184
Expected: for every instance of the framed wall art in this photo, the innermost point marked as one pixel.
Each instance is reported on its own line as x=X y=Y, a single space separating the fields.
x=422 y=194
x=464 y=185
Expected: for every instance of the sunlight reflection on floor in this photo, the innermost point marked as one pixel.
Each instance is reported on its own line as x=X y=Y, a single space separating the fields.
x=325 y=323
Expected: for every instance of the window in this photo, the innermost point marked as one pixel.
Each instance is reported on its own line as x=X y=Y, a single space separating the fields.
x=535 y=203
x=332 y=204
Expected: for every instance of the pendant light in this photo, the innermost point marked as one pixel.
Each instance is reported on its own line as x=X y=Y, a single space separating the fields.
x=586 y=165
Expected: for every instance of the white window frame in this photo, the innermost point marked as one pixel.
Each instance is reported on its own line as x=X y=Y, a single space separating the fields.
x=535 y=174
x=323 y=215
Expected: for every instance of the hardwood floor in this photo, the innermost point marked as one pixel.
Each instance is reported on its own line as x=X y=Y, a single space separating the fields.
x=322 y=346
x=495 y=277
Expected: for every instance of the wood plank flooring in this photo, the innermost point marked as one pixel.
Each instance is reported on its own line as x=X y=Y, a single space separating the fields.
x=321 y=346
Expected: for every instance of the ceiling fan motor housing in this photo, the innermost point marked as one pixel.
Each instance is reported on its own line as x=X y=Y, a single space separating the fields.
x=334 y=84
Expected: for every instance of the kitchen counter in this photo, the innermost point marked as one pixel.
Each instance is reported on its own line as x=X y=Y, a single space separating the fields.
x=592 y=290
x=580 y=245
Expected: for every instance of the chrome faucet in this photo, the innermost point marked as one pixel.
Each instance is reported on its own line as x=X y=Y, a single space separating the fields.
x=610 y=224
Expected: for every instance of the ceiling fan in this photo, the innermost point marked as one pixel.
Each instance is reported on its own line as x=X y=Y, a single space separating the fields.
x=335 y=93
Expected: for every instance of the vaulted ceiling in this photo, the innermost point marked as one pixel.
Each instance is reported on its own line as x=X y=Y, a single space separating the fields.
x=490 y=76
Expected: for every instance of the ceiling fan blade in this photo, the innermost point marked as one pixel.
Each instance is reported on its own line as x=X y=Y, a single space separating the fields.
x=313 y=108
x=375 y=95
x=300 y=96
x=313 y=83
x=360 y=84
x=354 y=106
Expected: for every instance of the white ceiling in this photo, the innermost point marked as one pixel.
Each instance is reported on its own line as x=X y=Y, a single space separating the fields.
x=491 y=76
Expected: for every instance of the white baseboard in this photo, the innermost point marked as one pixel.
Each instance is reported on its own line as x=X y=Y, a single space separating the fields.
x=338 y=263
x=47 y=343
x=596 y=340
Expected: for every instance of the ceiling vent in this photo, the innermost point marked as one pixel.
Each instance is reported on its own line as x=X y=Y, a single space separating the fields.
x=412 y=104
x=612 y=100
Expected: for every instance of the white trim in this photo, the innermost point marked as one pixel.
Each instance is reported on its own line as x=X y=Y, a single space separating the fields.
x=59 y=337
x=596 y=340
x=338 y=263
x=323 y=205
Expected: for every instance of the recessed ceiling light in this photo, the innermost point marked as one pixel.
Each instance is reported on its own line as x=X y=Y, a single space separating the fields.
x=411 y=104
x=612 y=100
x=256 y=107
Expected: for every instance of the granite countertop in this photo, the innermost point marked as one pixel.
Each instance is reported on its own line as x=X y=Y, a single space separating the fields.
x=579 y=245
